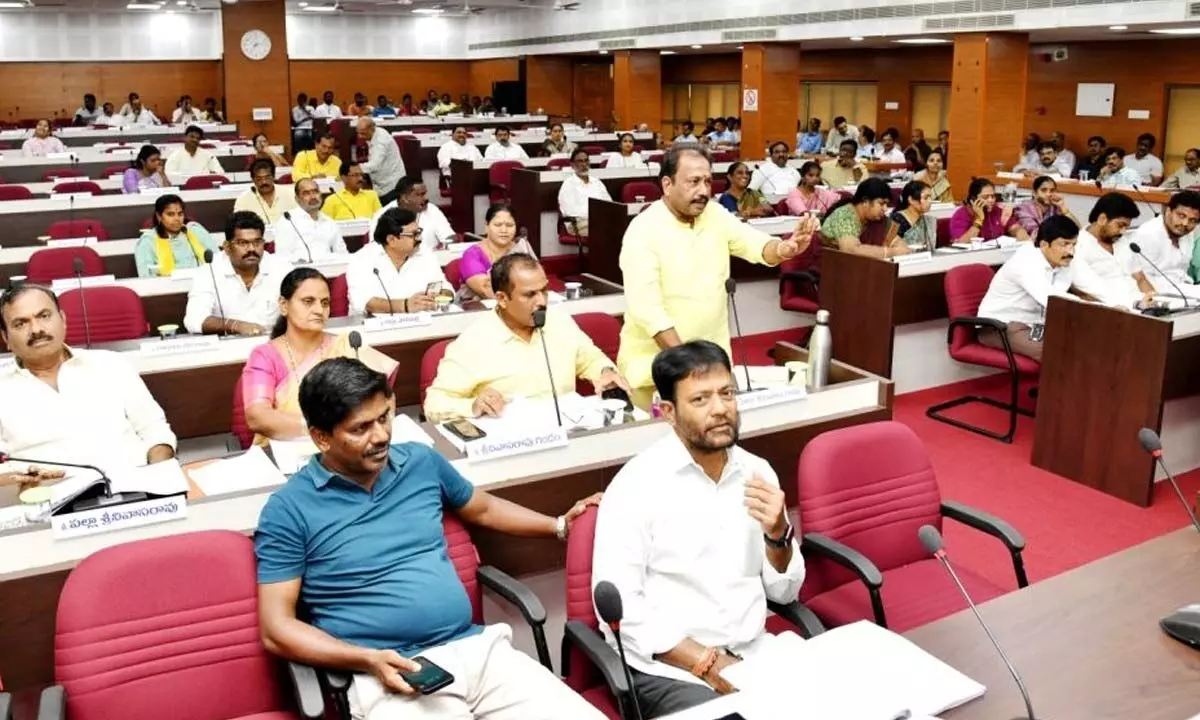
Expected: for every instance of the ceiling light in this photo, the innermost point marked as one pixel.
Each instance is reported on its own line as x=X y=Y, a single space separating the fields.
x=1178 y=31
x=856 y=38
x=666 y=52
x=1118 y=27
x=14 y=5
x=603 y=52
x=741 y=47
x=922 y=41
x=303 y=4
x=427 y=11
x=320 y=8
x=143 y=6
x=697 y=47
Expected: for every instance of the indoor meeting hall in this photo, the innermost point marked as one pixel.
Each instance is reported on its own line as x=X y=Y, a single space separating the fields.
x=751 y=361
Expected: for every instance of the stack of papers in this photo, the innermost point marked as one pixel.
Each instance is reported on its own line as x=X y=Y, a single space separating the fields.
x=291 y=455
x=523 y=416
x=250 y=470
x=158 y=480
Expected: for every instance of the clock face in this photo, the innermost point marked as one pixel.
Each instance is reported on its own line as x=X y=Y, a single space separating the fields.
x=256 y=44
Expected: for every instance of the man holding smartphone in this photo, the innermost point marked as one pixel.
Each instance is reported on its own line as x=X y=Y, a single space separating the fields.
x=357 y=535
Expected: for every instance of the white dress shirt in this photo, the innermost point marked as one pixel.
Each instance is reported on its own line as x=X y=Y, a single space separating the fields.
x=327 y=111
x=1059 y=167
x=321 y=237
x=182 y=117
x=894 y=156
x=181 y=165
x=1126 y=176
x=435 y=228
x=1023 y=285
x=1114 y=268
x=1172 y=260
x=453 y=151
x=302 y=117
x=774 y=182
x=574 y=193
x=384 y=164
x=102 y=414
x=413 y=276
x=103 y=120
x=1146 y=167
x=88 y=116
x=687 y=557
x=1069 y=158
x=511 y=151
x=834 y=139
x=617 y=160
x=257 y=304
x=143 y=117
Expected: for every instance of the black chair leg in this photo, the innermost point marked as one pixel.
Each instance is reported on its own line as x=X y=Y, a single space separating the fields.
x=1011 y=407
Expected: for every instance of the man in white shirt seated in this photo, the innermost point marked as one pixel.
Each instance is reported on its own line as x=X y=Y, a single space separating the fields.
x=307 y=234
x=328 y=109
x=1060 y=145
x=1168 y=242
x=687 y=133
x=1115 y=173
x=774 y=178
x=264 y=199
x=1048 y=163
x=575 y=191
x=185 y=113
x=384 y=164
x=191 y=159
x=107 y=117
x=1023 y=285
x=87 y=114
x=504 y=148
x=137 y=114
x=841 y=132
x=1111 y=260
x=721 y=136
x=1144 y=163
x=66 y=404
x=457 y=148
x=694 y=533
x=245 y=298
x=888 y=151
x=413 y=195
x=389 y=275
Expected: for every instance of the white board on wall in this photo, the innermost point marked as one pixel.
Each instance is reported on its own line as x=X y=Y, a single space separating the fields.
x=1095 y=99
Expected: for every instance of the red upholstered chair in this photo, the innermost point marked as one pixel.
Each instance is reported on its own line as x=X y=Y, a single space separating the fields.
x=594 y=149
x=61 y=173
x=631 y=190
x=943 y=232
x=77 y=186
x=50 y=264
x=169 y=628
x=237 y=419
x=114 y=171
x=15 y=192
x=114 y=313
x=558 y=163
x=605 y=331
x=864 y=491
x=965 y=287
x=453 y=272
x=117 y=148
x=204 y=182
x=339 y=296
x=80 y=227
x=499 y=177
x=719 y=185
x=284 y=179
x=655 y=157
x=429 y=367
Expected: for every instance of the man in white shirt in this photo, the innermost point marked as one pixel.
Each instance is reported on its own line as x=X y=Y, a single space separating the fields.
x=264 y=199
x=1169 y=242
x=87 y=114
x=575 y=191
x=721 y=136
x=888 y=151
x=107 y=117
x=384 y=164
x=457 y=148
x=69 y=405
x=137 y=114
x=1187 y=176
x=185 y=113
x=191 y=159
x=328 y=109
x=504 y=148
x=1111 y=260
x=1049 y=162
x=307 y=234
x=687 y=133
x=1060 y=145
x=694 y=533
x=841 y=132
x=774 y=179
x=1023 y=285
x=1115 y=173
x=245 y=299
x=1144 y=163
x=388 y=275
x=413 y=195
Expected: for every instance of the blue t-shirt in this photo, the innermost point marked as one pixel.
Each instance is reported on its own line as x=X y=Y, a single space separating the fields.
x=374 y=567
x=810 y=142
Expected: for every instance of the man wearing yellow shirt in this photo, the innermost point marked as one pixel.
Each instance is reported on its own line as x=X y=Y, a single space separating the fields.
x=501 y=357
x=675 y=261
x=318 y=163
x=352 y=202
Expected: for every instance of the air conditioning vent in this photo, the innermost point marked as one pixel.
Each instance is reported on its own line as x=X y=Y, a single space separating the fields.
x=749 y=35
x=622 y=44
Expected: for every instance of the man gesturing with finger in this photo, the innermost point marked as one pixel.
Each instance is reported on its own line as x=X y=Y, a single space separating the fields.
x=357 y=536
x=694 y=534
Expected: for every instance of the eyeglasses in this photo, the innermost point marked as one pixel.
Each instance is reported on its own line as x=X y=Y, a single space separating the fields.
x=415 y=235
x=248 y=244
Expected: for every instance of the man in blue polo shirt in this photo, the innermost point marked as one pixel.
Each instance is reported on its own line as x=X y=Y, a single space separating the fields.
x=357 y=535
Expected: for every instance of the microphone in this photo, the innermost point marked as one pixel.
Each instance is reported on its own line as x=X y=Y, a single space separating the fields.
x=731 y=291
x=342 y=200
x=609 y=606
x=77 y=263
x=539 y=322
x=931 y=539
x=355 y=342
x=1141 y=191
x=71 y=211
x=1137 y=250
x=257 y=196
x=208 y=260
x=80 y=504
x=385 y=290
x=287 y=215
x=1152 y=444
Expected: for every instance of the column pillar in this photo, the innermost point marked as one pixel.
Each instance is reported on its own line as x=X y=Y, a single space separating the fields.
x=637 y=88
x=257 y=83
x=772 y=70
x=987 y=103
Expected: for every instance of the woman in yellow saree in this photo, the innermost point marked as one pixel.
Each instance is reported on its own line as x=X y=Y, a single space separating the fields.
x=272 y=376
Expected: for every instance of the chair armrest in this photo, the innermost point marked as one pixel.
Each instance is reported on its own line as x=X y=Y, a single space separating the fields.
x=973 y=322
x=984 y=522
x=847 y=557
x=601 y=655
x=307 y=691
x=338 y=681
x=517 y=593
x=53 y=703
x=804 y=619
x=800 y=276
x=5 y=706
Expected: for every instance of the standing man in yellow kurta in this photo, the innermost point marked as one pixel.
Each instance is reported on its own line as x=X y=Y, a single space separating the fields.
x=675 y=261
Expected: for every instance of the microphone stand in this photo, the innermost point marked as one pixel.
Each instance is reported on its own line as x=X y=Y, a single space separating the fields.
x=539 y=323
x=287 y=215
x=82 y=504
x=87 y=326
x=208 y=260
x=731 y=290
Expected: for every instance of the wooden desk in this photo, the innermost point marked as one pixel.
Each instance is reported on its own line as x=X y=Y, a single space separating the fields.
x=1086 y=642
x=133 y=134
x=32 y=172
x=424 y=149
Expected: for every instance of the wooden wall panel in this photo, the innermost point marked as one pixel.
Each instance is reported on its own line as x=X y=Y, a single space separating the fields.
x=637 y=88
x=987 y=102
x=375 y=77
x=593 y=93
x=482 y=73
x=47 y=89
x=548 y=80
x=772 y=70
x=264 y=83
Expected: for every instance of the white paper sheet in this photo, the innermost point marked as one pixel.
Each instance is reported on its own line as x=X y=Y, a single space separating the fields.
x=252 y=469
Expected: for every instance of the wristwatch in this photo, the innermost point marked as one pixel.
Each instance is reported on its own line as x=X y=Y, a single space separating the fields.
x=786 y=540
x=560 y=527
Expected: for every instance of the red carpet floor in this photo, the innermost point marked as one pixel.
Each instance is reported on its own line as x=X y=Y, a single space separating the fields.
x=1065 y=524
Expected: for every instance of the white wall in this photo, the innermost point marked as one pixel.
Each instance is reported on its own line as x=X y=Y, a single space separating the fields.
x=109 y=36
x=314 y=36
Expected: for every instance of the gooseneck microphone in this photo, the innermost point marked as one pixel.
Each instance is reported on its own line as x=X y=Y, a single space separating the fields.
x=931 y=539
x=1137 y=250
x=1183 y=624
x=342 y=200
x=731 y=291
x=539 y=323
x=288 y=216
x=611 y=610
x=77 y=264
x=355 y=342
x=1152 y=444
x=383 y=285
x=109 y=497
x=208 y=260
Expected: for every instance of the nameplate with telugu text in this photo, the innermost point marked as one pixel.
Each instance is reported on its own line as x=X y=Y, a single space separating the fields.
x=69 y=197
x=72 y=242
x=352 y=228
x=398 y=320
x=495 y=447
x=770 y=396
x=62 y=285
x=911 y=258
x=158 y=191
x=185 y=273
x=118 y=517
x=234 y=188
x=181 y=345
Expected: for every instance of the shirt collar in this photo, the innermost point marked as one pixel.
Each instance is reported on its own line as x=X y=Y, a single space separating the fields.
x=320 y=475
x=499 y=332
x=677 y=458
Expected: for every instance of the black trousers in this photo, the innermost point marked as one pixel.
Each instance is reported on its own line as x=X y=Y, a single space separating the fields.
x=658 y=696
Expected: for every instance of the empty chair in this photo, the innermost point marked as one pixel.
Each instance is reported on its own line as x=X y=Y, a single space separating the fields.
x=593 y=149
x=15 y=192
x=453 y=273
x=61 y=173
x=499 y=177
x=640 y=188
x=558 y=163
x=339 y=296
x=204 y=182
x=605 y=331
x=77 y=186
x=114 y=170
x=50 y=264
x=799 y=281
x=81 y=227
x=114 y=313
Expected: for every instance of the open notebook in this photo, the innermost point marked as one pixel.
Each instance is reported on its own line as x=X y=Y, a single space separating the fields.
x=158 y=480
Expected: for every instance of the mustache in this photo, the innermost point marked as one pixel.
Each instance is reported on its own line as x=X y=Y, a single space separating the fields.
x=39 y=336
x=251 y=254
x=375 y=449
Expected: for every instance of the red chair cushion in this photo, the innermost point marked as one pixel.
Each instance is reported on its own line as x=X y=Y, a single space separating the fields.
x=465 y=557
x=339 y=296
x=114 y=313
x=601 y=699
x=429 y=365
x=453 y=272
x=15 y=192
x=50 y=264
x=81 y=186
x=204 y=182
x=648 y=190
x=80 y=227
x=976 y=354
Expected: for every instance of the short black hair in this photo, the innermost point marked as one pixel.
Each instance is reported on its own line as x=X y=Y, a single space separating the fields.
x=1146 y=137
x=263 y=164
x=853 y=145
x=10 y=296
x=839 y=120
x=347 y=166
x=243 y=220
x=1099 y=139
x=1047 y=145
x=1114 y=150
x=405 y=185
x=501 y=273
x=194 y=129
x=1114 y=205
x=1041 y=180
x=89 y=96
x=670 y=161
x=776 y=144
x=1056 y=227
x=335 y=388
x=577 y=152
x=682 y=361
x=327 y=136
x=392 y=222
x=503 y=128
x=1185 y=198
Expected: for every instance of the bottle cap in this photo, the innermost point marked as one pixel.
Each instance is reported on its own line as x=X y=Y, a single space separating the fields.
x=823 y=317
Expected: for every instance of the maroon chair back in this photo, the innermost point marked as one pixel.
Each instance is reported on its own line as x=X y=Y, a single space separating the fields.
x=114 y=170
x=114 y=313
x=60 y=173
x=965 y=287
x=719 y=185
x=62 y=122
x=593 y=149
x=117 y=148
x=284 y=179
x=429 y=365
x=655 y=157
x=630 y=191
x=237 y=418
x=15 y=192
x=943 y=232
x=80 y=227
x=50 y=264
x=500 y=173
x=870 y=487
x=465 y=557
x=874 y=233
x=558 y=163
x=581 y=676
x=605 y=331
x=204 y=182
x=781 y=208
x=453 y=272
x=77 y=186
x=148 y=630
x=796 y=295
x=339 y=296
